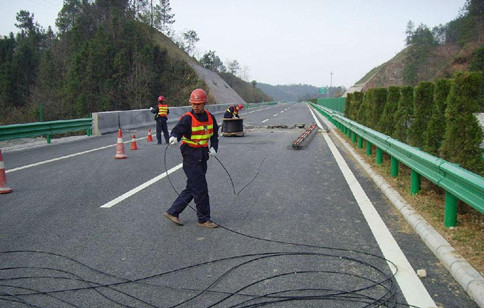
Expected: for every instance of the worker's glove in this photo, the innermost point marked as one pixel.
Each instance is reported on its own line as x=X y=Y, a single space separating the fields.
x=151 y=108
x=212 y=152
x=173 y=141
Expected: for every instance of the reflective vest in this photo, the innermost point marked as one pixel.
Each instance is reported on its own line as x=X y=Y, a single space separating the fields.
x=201 y=132
x=162 y=110
x=235 y=113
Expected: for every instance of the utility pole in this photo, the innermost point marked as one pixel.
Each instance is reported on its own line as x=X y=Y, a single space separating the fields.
x=330 y=82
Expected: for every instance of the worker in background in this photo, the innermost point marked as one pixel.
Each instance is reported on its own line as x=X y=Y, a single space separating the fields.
x=233 y=111
x=161 y=117
x=196 y=129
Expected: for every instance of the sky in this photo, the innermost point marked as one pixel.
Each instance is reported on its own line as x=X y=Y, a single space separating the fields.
x=282 y=42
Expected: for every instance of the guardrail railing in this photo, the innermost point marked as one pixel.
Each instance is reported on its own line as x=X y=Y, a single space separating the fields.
x=459 y=183
x=16 y=131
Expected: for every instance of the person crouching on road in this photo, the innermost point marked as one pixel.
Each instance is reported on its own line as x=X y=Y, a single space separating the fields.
x=195 y=128
x=233 y=111
x=161 y=116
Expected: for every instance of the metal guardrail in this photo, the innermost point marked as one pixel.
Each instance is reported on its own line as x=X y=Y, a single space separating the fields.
x=16 y=131
x=459 y=183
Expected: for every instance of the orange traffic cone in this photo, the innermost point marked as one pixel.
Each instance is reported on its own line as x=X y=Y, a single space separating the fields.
x=3 y=180
x=150 y=138
x=134 y=146
x=120 y=146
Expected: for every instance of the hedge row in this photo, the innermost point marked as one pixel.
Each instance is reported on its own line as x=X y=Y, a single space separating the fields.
x=436 y=117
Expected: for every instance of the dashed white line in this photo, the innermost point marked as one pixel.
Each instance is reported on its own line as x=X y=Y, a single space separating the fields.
x=265 y=120
x=140 y=187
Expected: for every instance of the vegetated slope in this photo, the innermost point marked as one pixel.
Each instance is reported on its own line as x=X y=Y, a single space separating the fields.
x=296 y=92
x=442 y=62
x=248 y=91
x=434 y=53
x=218 y=90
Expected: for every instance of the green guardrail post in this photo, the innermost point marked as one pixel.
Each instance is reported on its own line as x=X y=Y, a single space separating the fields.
x=414 y=183
x=348 y=132
x=368 y=148
x=393 y=167
x=379 y=156
x=450 y=214
x=353 y=137
x=360 y=142
x=48 y=138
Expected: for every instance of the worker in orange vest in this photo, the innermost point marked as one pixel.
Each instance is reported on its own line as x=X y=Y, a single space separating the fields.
x=196 y=129
x=161 y=117
x=233 y=111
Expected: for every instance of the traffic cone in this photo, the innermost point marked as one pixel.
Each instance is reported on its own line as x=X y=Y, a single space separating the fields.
x=150 y=138
x=120 y=146
x=134 y=146
x=3 y=179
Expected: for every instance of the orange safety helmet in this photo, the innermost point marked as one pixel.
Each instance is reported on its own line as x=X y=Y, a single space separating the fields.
x=198 y=96
x=240 y=106
x=161 y=98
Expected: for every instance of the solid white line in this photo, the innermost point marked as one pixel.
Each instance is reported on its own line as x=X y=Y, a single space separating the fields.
x=412 y=288
x=67 y=156
x=58 y=158
x=265 y=120
x=140 y=187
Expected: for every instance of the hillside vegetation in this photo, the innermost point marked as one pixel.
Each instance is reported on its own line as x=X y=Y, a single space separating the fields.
x=297 y=92
x=435 y=53
x=103 y=58
x=248 y=91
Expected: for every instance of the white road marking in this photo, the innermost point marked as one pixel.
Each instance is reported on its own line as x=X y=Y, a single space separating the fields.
x=140 y=187
x=275 y=115
x=411 y=286
x=265 y=120
x=67 y=156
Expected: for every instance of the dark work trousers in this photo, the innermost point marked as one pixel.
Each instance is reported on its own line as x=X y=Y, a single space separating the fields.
x=196 y=189
x=161 y=126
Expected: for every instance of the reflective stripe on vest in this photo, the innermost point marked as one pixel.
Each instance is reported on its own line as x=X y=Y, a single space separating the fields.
x=235 y=111
x=201 y=132
x=162 y=110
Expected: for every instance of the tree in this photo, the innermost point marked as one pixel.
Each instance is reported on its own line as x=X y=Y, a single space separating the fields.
x=163 y=17
x=211 y=61
x=436 y=125
x=463 y=133
x=387 y=119
x=404 y=114
x=233 y=67
x=68 y=15
x=422 y=107
x=191 y=38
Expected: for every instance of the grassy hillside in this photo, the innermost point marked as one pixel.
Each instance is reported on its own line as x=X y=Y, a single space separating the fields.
x=246 y=90
x=435 y=53
x=297 y=92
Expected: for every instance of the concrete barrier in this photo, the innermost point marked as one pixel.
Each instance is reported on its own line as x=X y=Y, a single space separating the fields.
x=111 y=121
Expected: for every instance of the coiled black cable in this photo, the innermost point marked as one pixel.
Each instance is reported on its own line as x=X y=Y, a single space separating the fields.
x=377 y=287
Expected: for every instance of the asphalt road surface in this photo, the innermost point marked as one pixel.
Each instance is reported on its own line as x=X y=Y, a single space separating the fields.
x=298 y=228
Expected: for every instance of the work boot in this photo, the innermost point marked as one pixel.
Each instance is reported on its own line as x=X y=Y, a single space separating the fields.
x=207 y=224
x=173 y=218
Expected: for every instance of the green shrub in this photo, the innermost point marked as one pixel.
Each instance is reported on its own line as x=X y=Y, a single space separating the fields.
x=436 y=127
x=463 y=133
x=404 y=114
x=386 y=124
x=422 y=107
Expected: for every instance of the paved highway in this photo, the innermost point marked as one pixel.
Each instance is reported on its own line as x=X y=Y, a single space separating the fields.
x=299 y=228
